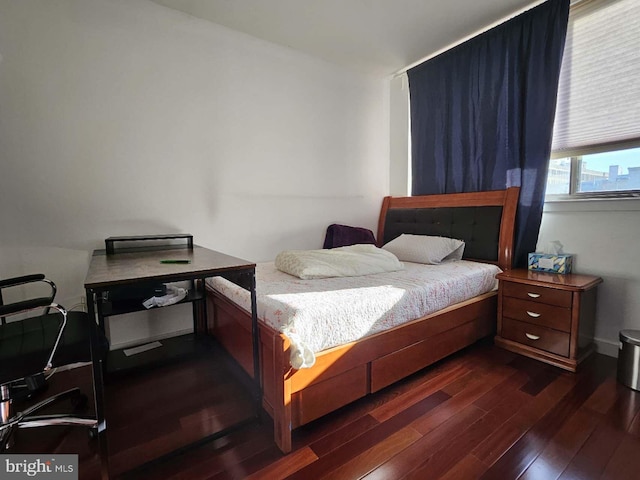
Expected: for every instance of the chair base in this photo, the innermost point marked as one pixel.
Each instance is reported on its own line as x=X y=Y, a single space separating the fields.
x=23 y=388
x=29 y=418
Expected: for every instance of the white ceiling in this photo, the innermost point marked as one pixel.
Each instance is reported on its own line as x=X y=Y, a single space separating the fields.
x=375 y=36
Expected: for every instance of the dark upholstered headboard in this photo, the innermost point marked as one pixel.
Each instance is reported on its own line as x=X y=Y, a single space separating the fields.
x=483 y=220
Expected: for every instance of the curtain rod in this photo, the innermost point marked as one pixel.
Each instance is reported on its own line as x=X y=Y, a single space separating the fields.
x=468 y=37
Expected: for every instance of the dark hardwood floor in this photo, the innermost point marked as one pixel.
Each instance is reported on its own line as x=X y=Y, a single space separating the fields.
x=482 y=413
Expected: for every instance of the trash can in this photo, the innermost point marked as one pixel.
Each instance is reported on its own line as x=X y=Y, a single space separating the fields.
x=629 y=359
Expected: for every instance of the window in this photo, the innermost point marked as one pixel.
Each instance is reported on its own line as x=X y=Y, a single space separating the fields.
x=596 y=138
x=596 y=174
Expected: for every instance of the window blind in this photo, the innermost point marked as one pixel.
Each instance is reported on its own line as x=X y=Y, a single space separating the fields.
x=599 y=92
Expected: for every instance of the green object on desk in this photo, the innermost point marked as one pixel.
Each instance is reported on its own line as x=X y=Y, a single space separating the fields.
x=175 y=261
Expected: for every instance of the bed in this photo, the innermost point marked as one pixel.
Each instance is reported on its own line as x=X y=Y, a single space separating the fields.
x=348 y=371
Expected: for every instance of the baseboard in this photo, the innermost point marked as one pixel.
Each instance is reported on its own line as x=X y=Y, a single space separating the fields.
x=607 y=347
x=155 y=338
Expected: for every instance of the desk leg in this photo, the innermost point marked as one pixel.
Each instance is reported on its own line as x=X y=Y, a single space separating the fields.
x=98 y=386
x=199 y=309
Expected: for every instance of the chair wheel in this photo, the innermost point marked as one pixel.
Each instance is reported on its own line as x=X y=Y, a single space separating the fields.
x=93 y=433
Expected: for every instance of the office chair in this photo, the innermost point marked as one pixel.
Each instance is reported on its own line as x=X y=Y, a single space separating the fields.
x=30 y=350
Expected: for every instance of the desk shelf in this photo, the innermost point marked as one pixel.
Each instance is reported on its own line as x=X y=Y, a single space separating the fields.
x=173 y=349
x=110 y=308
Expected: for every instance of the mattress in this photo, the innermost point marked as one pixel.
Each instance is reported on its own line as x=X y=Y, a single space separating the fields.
x=323 y=313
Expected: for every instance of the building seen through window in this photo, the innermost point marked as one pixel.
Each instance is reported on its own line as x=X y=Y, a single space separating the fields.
x=596 y=173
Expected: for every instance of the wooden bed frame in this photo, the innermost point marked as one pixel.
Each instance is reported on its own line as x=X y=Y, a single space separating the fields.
x=345 y=373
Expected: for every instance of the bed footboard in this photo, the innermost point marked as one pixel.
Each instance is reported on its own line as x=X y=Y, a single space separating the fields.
x=343 y=374
x=231 y=326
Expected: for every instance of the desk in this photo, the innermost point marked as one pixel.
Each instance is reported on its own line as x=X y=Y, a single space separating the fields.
x=143 y=267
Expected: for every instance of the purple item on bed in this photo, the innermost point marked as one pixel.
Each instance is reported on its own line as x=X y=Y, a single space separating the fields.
x=344 y=235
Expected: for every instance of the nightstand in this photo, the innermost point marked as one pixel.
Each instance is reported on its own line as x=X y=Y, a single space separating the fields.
x=547 y=316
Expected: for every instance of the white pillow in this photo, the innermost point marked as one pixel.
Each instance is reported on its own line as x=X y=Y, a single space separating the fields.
x=350 y=261
x=425 y=249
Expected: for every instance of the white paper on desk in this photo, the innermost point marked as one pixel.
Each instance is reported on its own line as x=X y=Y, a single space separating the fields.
x=174 y=295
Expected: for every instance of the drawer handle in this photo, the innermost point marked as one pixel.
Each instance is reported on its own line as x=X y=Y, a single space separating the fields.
x=533 y=295
x=532 y=337
x=533 y=314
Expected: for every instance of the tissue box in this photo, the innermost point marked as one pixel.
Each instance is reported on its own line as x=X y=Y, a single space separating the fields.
x=550 y=262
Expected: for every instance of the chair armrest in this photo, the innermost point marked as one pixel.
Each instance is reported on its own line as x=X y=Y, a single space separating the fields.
x=17 y=307
x=29 y=304
x=13 y=282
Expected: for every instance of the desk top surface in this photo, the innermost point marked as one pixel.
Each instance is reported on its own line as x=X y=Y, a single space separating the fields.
x=144 y=265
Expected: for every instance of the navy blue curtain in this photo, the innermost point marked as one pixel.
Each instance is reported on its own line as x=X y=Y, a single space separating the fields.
x=482 y=114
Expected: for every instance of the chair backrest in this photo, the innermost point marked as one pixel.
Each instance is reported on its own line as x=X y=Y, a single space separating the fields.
x=31 y=345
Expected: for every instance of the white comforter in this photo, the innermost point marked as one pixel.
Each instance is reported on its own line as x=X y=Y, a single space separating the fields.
x=323 y=313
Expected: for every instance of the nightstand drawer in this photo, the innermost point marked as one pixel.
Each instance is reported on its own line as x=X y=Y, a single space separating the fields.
x=541 y=314
x=534 y=293
x=536 y=336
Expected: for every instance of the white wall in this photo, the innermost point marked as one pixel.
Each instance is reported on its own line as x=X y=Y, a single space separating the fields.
x=125 y=117
x=399 y=142
x=602 y=234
